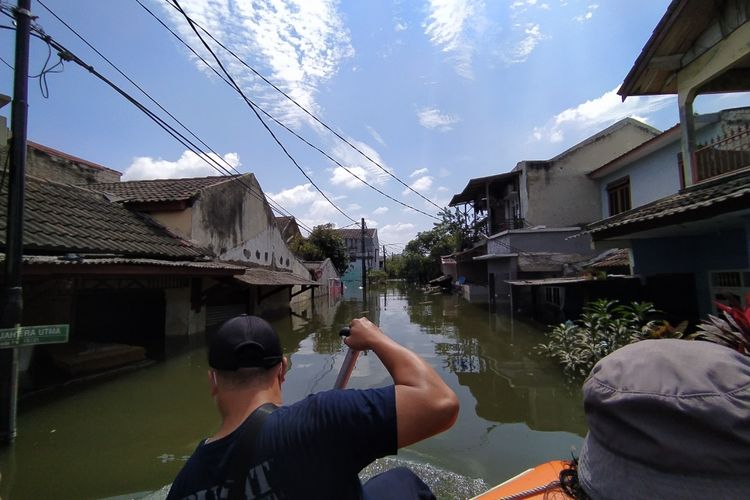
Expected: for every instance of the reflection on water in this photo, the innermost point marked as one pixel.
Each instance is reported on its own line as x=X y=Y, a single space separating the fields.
x=133 y=432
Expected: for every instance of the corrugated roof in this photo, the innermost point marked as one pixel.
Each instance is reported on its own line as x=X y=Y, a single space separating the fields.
x=65 y=218
x=476 y=187
x=160 y=189
x=566 y=281
x=263 y=276
x=728 y=193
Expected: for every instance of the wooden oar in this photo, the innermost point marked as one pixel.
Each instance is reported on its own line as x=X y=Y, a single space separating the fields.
x=348 y=365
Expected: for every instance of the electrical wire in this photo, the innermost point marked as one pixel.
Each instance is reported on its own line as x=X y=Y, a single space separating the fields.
x=274 y=205
x=306 y=111
x=260 y=118
x=66 y=54
x=255 y=106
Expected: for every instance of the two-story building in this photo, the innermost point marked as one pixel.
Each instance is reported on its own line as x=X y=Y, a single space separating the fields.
x=692 y=246
x=527 y=216
x=353 y=239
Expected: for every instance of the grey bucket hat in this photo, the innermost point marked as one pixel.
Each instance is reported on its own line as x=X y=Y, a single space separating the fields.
x=668 y=419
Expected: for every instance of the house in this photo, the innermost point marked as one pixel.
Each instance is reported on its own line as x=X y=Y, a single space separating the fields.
x=324 y=273
x=691 y=246
x=353 y=241
x=228 y=217
x=116 y=277
x=526 y=216
x=289 y=228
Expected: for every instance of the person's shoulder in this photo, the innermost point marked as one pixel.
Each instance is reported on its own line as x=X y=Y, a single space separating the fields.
x=348 y=395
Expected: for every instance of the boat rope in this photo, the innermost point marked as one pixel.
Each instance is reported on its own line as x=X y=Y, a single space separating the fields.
x=532 y=491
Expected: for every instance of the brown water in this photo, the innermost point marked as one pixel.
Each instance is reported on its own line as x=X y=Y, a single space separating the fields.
x=128 y=435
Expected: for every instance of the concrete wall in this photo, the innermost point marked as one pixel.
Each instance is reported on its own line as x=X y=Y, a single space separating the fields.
x=237 y=226
x=692 y=255
x=657 y=175
x=66 y=169
x=558 y=193
x=179 y=222
x=540 y=240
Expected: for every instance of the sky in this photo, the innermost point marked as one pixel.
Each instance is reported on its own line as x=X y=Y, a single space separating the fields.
x=433 y=92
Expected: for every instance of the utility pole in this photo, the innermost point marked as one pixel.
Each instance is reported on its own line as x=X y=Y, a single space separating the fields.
x=13 y=299
x=384 y=269
x=364 y=267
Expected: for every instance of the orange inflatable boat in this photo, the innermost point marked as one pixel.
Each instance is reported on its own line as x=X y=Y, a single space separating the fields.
x=538 y=483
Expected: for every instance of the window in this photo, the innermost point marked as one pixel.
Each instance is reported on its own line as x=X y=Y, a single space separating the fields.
x=618 y=193
x=730 y=288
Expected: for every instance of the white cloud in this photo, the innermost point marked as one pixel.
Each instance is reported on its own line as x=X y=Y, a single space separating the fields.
x=359 y=165
x=297 y=44
x=342 y=177
x=598 y=113
x=582 y=18
x=380 y=210
x=451 y=26
x=401 y=26
x=520 y=52
x=375 y=135
x=298 y=195
x=419 y=171
x=353 y=207
x=398 y=232
x=432 y=118
x=444 y=172
x=420 y=185
x=188 y=165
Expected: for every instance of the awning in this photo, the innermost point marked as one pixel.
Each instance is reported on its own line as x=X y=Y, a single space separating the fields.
x=565 y=281
x=268 y=277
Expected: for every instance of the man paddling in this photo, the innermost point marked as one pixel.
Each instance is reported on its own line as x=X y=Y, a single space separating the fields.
x=315 y=448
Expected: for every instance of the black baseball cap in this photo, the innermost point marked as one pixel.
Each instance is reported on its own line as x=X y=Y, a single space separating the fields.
x=244 y=342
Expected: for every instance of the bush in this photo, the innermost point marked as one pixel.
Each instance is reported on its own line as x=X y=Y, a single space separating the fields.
x=604 y=327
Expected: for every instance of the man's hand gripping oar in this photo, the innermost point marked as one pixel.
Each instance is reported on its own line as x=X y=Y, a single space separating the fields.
x=349 y=361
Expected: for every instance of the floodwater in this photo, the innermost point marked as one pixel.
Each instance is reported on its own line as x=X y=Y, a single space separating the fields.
x=127 y=436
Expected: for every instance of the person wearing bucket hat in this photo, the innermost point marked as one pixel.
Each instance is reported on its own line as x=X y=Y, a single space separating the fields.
x=668 y=419
x=315 y=448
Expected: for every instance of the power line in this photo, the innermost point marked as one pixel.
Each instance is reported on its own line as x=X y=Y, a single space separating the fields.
x=66 y=54
x=260 y=118
x=255 y=106
x=310 y=114
x=223 y=171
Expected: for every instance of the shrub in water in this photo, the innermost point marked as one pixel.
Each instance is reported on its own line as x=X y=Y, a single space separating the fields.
x=604 y=326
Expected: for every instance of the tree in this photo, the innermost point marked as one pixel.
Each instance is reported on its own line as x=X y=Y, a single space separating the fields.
x=323 y=242
x=421 y=257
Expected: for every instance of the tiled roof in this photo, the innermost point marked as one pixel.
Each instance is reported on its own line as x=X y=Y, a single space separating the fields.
x=617 y=257
x=160 y=189
x=348 y=234
x=64 y=218
x=728 y=194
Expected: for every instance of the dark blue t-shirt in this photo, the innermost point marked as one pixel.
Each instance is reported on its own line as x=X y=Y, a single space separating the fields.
x=313 y=449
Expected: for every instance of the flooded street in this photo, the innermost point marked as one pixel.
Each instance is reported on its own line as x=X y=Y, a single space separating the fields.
x=130 y=434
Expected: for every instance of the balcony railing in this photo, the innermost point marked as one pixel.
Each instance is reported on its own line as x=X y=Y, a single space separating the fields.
x=480 y=227
x=721 y=155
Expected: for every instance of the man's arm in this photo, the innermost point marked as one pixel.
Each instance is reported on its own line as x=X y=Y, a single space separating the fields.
x=425 y=405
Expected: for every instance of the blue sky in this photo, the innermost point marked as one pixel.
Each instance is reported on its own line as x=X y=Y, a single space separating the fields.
x=436 y=92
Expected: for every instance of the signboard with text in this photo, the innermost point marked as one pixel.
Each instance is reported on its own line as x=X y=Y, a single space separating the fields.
x=33 y=335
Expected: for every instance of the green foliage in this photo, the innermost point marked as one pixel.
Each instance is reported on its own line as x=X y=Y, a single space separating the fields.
x=420 y=261
x=323 y=242
x=604 y=327
x=376 y=277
